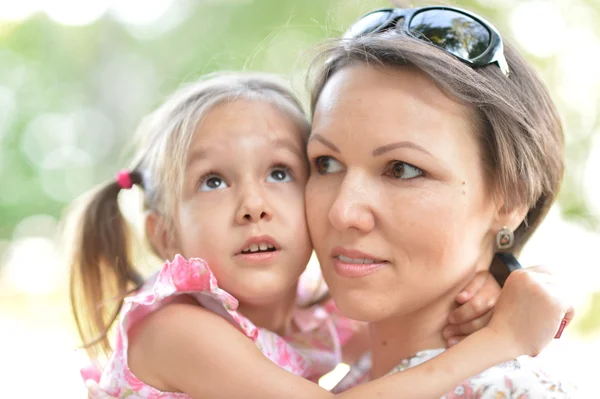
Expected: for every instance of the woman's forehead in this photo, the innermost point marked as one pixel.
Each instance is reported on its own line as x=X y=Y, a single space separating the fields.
x=393 y=96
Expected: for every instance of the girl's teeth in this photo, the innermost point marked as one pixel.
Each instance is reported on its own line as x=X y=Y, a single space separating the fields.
x=258 y=247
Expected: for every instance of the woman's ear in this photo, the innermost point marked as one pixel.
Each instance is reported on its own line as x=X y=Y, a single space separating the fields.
x=161 y=241
x=510 y=218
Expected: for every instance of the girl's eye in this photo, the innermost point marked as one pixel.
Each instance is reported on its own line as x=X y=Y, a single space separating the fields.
x=212 y=182
x=279 y=175
x=326 y=165
x=402 y=170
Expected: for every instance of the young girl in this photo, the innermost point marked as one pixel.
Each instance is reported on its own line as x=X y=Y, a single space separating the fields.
x=222 y=166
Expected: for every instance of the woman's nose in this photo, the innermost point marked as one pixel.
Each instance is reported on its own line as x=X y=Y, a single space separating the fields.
x=352 y=206
x=253 y=206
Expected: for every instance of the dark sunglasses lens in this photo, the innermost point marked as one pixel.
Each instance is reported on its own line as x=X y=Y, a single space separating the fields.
x=368 y=24
x=457 y=33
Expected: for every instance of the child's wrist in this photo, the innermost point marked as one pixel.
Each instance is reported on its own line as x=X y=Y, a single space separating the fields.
x=505 y=344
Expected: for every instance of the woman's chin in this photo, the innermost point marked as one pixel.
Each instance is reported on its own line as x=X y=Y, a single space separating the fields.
x=362 y=307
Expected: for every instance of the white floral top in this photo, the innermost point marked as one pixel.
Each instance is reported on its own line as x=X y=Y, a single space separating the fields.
x=518 y=379
x=310 y=353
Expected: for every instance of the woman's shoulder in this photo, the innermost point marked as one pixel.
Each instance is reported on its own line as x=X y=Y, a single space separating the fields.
x=522 y=378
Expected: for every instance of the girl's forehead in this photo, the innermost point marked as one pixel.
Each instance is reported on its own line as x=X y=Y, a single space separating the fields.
x=246 y=121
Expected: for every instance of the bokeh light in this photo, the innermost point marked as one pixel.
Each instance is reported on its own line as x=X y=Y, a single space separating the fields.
x=76 y=77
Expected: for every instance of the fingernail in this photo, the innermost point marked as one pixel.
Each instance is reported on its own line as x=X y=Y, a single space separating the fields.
x=452 y=342
x=563 y=324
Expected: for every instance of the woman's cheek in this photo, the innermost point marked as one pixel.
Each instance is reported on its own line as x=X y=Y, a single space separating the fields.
x=315 y=206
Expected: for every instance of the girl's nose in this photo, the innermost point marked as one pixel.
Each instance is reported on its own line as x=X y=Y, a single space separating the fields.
x=253 y=207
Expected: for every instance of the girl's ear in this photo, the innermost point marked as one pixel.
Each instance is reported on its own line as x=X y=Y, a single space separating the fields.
x=161 y=241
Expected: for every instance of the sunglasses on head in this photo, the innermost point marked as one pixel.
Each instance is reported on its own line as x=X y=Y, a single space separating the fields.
x=465 y=35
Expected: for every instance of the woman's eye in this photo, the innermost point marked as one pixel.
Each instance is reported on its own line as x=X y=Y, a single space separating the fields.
x=403 y=170
x=279 y=175
x=326 y=165
x=212 y=182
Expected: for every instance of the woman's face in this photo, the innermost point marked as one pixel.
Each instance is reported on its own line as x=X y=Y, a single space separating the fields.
x=397 y=205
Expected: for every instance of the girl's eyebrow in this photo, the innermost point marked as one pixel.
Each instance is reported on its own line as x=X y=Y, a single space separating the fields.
x=197 y=156
x=202 y=153
x=288 y=145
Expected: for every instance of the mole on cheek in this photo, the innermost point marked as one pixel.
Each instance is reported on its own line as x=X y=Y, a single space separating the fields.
x=464 y=183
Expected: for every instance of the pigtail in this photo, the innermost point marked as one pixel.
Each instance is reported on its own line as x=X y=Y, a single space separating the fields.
x=102 y=273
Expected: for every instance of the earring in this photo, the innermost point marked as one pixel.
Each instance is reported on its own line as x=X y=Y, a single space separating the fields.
x=505 y=238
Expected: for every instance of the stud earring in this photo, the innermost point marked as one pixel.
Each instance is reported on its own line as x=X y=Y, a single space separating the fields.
x=505 y=238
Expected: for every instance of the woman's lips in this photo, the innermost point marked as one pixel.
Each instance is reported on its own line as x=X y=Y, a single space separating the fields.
x=353 y=263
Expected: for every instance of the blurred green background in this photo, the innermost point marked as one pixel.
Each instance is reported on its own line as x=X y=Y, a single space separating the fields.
x=77 y=76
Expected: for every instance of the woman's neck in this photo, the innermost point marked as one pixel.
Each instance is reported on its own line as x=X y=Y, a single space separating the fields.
x=399 y=337
x=275 y=316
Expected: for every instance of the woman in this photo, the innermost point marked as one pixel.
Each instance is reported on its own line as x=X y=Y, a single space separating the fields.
x=433 y=147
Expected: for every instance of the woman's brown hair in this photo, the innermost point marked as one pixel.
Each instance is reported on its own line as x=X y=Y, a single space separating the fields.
x=519 y=129
x=102 y=270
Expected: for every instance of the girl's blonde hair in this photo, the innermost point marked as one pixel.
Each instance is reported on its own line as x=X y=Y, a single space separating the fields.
x=102 y=273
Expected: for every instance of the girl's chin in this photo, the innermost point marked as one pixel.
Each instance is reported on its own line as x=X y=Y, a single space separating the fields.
x=265 y=293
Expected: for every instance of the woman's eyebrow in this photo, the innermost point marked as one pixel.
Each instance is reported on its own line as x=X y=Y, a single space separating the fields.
x=326 y=143
x=376 y=152
x=400 y=144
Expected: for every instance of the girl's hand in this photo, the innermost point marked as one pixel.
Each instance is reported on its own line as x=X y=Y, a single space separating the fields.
x=477 y=302
x=530 y=309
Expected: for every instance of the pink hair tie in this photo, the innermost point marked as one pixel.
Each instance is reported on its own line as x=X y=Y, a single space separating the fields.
x=124 y=179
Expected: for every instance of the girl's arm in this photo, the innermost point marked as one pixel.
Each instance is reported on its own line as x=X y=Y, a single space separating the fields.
x=184 y=347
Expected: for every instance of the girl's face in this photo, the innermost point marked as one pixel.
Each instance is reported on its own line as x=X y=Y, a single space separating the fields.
x=242 y=206
x=397 y=205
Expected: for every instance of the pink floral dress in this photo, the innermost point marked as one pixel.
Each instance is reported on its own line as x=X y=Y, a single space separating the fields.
x=521 y=378
x=309 y=353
